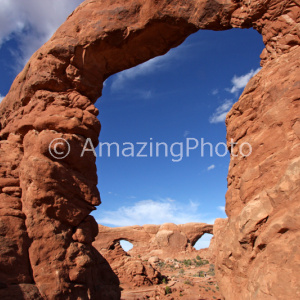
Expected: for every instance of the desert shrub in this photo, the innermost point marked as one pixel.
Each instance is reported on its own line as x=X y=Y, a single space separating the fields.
x=168 y=290
x=198 y=257
x=188 y=282
x=199 y=263
x=199 y=274
x=187 y=262
x=211 y=270
x=181 y=271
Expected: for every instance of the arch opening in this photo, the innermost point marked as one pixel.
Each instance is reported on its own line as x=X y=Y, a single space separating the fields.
x=203 y=242
x=126 y=245
x=188 y=84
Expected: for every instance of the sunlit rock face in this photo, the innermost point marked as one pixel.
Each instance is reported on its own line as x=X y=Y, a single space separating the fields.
x=258 y=241
x=46 y=232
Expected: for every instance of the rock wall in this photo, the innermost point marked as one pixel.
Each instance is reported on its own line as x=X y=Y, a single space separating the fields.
x=257 y=247
x=45 y=228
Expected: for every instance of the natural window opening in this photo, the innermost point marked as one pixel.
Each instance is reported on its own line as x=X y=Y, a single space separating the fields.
x=126 y=246
x=172 y=100
x=203 y=242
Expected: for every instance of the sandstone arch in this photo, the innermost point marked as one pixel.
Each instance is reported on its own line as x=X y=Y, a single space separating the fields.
x=48 y=201
x=164 y=240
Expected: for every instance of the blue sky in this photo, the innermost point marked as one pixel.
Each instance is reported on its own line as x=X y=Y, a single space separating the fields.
x=183 y=94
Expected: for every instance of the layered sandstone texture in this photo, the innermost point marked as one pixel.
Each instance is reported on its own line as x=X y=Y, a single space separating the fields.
x=46 y=232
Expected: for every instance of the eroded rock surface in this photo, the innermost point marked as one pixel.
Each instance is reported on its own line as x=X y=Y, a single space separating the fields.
x=48 y=200
x=133 y=271
x=257 y=247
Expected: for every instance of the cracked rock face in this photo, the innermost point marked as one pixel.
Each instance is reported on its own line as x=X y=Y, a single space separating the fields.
x=46 y=232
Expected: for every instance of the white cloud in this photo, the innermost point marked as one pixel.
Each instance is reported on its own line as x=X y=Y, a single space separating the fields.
x=211 y=167
x=32 y=23
x=215 y=92
x=1 y=98
x=153 y=212
x=220 y=114
x=148 y=67
x=113 y=194
x=221 y=208
x=239 y=82
x=145 y=94
x=194 y=205
x=186 y=133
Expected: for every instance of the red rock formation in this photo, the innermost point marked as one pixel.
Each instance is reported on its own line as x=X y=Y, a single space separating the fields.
x=261 y=252
x=133 y=271
x=164 y=241
x=49 y=200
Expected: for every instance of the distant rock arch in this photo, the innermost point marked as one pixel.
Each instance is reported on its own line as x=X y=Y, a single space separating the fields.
x=149 y=240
